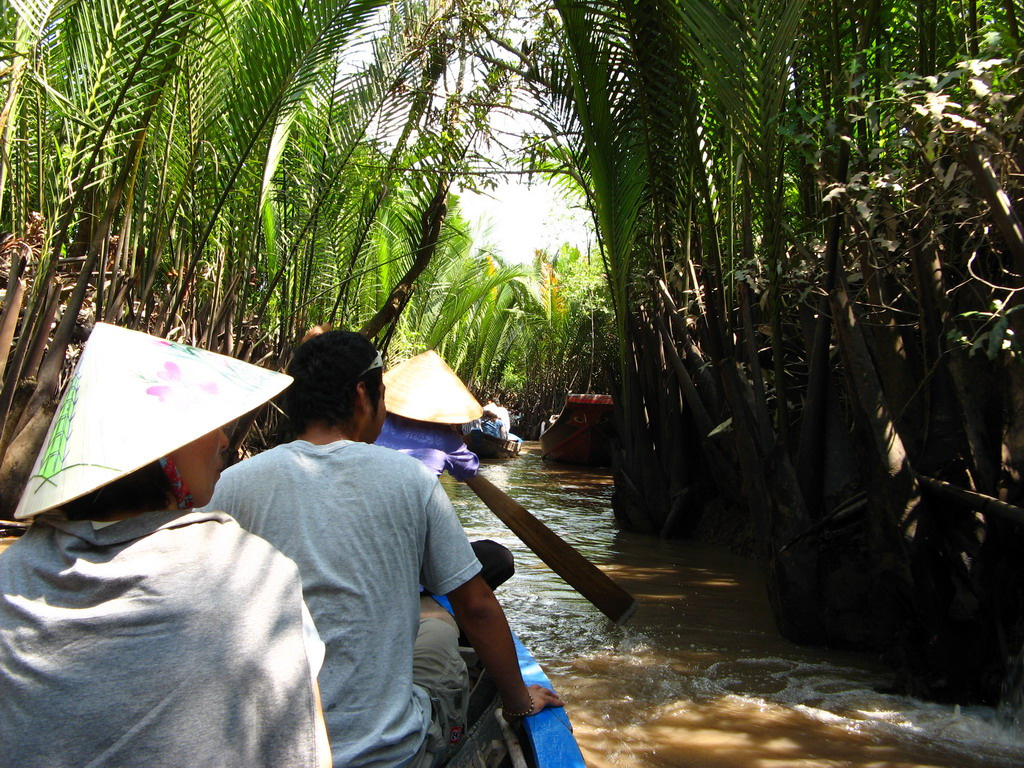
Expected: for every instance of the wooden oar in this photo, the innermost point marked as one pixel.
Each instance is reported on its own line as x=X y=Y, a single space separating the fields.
x=581 y=574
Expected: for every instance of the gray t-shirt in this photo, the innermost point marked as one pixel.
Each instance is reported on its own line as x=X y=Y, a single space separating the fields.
x=170 y=639
x=366 y=525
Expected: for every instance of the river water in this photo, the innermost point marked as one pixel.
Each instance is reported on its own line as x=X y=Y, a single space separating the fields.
x=699 y=677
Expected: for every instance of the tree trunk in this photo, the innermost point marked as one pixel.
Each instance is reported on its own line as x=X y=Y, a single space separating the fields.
x=894 y=498
x=430 y=229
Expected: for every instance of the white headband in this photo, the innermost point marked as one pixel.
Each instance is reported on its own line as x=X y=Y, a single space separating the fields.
x=378 y=362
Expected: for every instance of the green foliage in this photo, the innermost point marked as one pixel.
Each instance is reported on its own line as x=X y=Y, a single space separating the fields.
x=992 y=334
x=919 y=191
x=526 y=335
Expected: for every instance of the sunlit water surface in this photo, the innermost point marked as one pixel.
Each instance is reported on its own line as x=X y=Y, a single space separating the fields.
x=699 y=676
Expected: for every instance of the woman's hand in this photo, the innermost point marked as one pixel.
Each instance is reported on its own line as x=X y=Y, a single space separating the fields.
x=540 y=697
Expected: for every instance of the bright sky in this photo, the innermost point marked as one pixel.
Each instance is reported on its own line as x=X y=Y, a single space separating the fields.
x=525 y=218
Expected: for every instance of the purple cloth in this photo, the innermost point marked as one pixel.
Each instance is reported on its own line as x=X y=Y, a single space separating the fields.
x=438 y=446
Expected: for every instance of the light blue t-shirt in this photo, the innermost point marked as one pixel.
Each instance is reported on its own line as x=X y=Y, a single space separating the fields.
x=169 y=639
x=366 y=526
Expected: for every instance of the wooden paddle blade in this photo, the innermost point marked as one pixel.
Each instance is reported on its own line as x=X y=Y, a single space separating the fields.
x=581 y=574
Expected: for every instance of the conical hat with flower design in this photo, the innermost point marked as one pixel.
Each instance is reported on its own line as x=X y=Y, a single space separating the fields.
x=426 y=389
x=132 y=399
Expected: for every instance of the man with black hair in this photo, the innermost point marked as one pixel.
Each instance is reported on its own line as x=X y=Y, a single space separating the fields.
x=366 y=526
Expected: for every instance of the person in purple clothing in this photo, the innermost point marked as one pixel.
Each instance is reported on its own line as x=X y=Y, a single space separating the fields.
x=438 y=446
x=425 y=402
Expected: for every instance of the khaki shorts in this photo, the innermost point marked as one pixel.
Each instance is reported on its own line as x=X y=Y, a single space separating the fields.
x=438 y=668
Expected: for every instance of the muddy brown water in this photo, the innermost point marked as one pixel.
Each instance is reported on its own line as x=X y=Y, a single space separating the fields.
x=699 y=677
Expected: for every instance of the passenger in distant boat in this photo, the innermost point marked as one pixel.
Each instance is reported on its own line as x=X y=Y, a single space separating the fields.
x=366 y=526
x=490 y=424
x=135 y=630
x=497 y=418
x=426 y=400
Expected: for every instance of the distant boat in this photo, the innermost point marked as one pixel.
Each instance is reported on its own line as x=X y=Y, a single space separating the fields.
x=581 y=433
x=490 y=447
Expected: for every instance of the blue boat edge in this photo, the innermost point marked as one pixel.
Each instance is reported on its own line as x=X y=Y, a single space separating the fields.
x=549 y=731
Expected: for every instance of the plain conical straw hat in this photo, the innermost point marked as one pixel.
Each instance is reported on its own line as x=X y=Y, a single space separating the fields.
x=132 y=399
x=425 y=388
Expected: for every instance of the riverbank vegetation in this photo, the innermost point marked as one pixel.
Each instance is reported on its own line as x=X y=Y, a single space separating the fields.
x=809 y=218
x=803 y=296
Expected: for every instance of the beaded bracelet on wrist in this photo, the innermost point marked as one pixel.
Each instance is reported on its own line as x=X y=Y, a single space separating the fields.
x=519 y=715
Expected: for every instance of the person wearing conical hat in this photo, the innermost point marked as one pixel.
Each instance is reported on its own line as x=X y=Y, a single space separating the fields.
x=426 y=400
x=367 y=525
x=135 y=630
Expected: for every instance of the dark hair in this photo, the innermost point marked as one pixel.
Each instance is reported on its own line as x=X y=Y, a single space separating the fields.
x=326 y=370
x=145 y=490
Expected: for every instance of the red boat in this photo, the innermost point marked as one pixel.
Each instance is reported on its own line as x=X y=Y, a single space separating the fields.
x=581 y=433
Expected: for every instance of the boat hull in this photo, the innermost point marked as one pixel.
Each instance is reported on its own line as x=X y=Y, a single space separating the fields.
x=581 y=433
x=490 y=447
x=545 y=740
